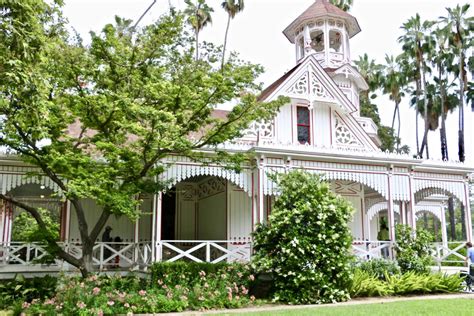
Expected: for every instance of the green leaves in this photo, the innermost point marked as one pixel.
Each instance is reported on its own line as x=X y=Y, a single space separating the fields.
x=305 y=244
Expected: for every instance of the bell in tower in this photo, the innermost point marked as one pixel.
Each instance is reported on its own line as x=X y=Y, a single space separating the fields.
x=323 y=30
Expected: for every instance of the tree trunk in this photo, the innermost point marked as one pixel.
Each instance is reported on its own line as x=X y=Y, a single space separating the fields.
x=461 y=153
x=197 y=45
x=399 y=127
x=225 y=42
x=452 y=227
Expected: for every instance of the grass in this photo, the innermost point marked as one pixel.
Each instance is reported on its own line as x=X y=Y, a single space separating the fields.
x=458 y=307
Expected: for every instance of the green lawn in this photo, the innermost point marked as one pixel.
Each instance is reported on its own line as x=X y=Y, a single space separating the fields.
x=453 y=307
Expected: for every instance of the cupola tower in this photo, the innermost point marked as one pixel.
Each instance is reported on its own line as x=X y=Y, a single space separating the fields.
x=323 y=30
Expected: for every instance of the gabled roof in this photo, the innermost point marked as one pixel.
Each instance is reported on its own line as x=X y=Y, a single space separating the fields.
x=281 y=85
x=322 y=8
x=348 y=71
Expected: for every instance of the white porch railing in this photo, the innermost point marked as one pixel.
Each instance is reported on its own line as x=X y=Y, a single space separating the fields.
x=366 y=250
x=203 y=251
x=449 y=254
x=120 y=254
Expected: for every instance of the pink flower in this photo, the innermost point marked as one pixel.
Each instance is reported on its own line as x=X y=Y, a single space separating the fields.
x=169 y=295
x=100 y=312
x=93 y=277
x=81 y=285
x=201 y=298
x=244 y=290
x=142 y=292
x=160 y=282
x=81 y=304
x=25 y=305
x=126 y=305
x=237 y=297
x=95 y=290
x=239 y=274
x=229 y=296
x=122 y=295
x=251 y=277
x=252 y=298
x=110 y=303
x=183 y=298
x=206 y=285
x=202 y=274
x=49 y=302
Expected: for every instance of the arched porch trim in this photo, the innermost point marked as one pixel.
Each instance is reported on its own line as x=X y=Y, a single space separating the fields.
x=381 y=206
x=13 y=181
x=178 y=173
x=425 y=188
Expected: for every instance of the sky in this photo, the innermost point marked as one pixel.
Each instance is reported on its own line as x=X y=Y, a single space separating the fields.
x=256 y=33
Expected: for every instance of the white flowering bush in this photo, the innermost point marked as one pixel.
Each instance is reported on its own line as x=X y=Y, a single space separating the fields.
x=306 y=243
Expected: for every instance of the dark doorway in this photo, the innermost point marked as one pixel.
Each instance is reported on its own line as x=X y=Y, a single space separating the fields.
x=168 y=215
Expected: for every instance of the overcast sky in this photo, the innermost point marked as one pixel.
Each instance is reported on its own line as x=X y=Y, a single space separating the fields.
x=256 y=34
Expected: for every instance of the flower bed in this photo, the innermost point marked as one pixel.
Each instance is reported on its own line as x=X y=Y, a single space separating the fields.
x=173 y=287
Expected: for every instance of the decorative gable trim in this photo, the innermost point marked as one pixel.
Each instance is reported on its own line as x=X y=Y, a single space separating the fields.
x=309 y=81
x=348 y=133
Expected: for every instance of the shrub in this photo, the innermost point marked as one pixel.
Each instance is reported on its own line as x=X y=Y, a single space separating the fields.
x=305 y=245
x=413 y=250
x=379 y=267
x=173 y=287
x=25 y=289
x=365 y=284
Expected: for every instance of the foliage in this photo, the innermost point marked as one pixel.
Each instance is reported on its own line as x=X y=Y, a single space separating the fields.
x=22 y=289
x=413 y=250
x=173 y=287
x=25 y=227
x=379 y=267
x=98 y=119
x=366 y=284
x=305 y=244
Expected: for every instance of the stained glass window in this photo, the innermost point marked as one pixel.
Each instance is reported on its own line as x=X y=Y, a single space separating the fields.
x=303 y=125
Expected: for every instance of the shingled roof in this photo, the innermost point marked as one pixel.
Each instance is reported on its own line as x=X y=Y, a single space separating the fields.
x=322 y=8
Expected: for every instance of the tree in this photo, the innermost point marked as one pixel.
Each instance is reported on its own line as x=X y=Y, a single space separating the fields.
x=232 y=7
x=416 y=45
x=393 y=83
x=372 y=74
x=343 y=4
x=306 y=243
x=199 y=16
x=459 y=28
x=134 y=97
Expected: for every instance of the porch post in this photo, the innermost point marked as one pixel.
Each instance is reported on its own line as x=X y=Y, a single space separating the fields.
x=412 y=202
x=260 y=193
x=403 y=213
x=467 y=211
x=136 y=241
x=68 y=221
x=444 y=237
x=3 y=216
x=156 y=227
x=391 y=217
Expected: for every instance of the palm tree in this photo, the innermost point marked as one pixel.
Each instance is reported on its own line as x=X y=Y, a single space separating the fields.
x=416 y=44
x=232 y=7
x=199 y=15
x=393 y=82
x=342 y=4
x=458 y=26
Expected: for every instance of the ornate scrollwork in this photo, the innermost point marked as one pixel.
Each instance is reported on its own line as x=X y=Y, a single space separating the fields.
x=259 y=128
x=300 y=87
x=344 y=135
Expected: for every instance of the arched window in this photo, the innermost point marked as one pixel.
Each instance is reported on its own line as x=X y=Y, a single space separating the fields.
x=317 y=40
x=335 y=41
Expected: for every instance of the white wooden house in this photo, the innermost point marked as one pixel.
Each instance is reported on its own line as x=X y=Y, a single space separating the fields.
x=209 y=212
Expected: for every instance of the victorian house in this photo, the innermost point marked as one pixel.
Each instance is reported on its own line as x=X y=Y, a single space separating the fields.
x=209 y=212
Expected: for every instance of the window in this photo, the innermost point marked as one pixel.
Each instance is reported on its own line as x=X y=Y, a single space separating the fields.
x=303 y=125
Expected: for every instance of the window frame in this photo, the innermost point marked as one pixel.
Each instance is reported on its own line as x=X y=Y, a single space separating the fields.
x=298 y=125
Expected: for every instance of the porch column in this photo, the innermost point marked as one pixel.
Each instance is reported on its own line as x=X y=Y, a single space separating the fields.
x=7 y=219
x=156 y=227
x=2 y=219
x=260 y=193
x=68 y=221
x=467 y=211
x=412 y=202
x=444 y=237
x=403 y=213
x=391 y=217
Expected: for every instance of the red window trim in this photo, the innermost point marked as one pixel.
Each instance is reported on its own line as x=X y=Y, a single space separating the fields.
x=308 y=126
